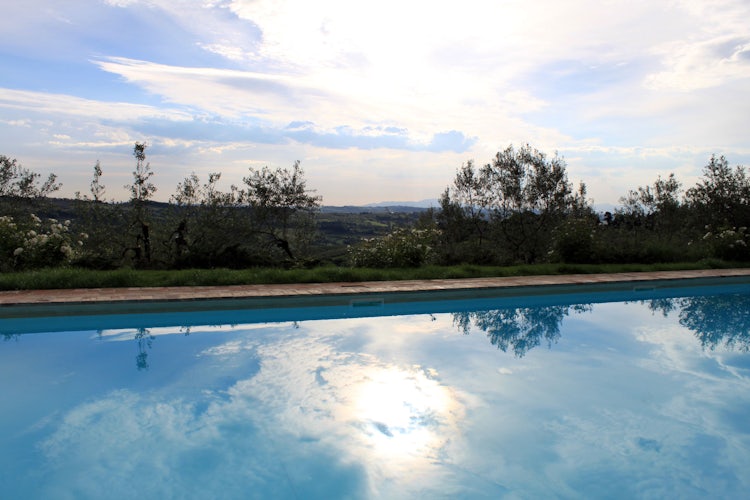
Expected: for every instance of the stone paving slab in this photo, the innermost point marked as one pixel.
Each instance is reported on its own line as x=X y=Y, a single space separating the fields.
x=154 y=294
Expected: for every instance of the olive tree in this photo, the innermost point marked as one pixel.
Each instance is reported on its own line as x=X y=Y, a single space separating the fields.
x=721 y=198
x=141 y=191
x=21 y=188
x=463 y=219
x=281 y=208
x=648 y=226
x=102 y=225
x=644 y=205
x=19 y=182
x=516 y=201
x=530 y=195
x=207 y=230
x=652 y=214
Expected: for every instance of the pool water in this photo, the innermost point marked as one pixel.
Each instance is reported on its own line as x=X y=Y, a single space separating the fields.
x=596 y=394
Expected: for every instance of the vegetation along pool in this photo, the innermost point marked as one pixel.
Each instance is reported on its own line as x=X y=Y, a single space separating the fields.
x=599 y=392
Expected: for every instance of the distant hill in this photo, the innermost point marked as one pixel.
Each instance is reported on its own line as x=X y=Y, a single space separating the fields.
x=64 y=207
x=372 y=209
x=383 y=207
x=430 y=202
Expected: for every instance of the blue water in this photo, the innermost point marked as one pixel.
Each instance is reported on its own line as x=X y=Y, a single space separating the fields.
x=596 y=394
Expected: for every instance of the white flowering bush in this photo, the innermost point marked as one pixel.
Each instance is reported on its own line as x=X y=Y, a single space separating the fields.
x=11 y=242
x=34 y=244
x=400 y=248
x=729 y=244
x=574 y=241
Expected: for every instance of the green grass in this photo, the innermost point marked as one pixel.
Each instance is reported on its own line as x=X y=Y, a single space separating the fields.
x=81 y=278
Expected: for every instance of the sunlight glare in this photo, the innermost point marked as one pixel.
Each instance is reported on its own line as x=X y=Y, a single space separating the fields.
x=406 y=414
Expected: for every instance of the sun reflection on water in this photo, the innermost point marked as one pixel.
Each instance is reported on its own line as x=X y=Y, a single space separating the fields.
x=405 y=415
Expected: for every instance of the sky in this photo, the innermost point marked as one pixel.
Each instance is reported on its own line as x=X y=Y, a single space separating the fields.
x=379 y=101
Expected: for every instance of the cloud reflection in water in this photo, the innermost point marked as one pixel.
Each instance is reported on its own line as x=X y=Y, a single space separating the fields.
x=624 y=403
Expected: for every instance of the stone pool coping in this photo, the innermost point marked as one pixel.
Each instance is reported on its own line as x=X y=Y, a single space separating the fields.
x=175 y=293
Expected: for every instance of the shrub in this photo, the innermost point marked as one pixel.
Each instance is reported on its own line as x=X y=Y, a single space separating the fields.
x=35 y=244
x=400 y=248
x=728 y=244
x=574 y=241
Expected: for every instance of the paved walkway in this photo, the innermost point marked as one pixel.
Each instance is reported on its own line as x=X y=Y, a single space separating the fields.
x=100 y=295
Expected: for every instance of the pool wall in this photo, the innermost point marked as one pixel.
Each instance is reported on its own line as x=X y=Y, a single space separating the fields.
x=36 y=318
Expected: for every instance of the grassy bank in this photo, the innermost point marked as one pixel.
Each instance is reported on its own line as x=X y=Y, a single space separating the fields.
x=81 y=278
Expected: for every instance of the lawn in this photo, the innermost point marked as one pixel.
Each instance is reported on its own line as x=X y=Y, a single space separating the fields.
x=58 y=278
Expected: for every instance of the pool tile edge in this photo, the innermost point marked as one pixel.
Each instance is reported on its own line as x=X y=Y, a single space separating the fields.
x=168 y=294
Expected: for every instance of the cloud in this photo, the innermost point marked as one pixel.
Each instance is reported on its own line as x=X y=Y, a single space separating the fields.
x=382 y=79
x=376 y=138
x=702 y=64
x=451 y=141
x=50 y=104
x=236 y=115
x=226 y=92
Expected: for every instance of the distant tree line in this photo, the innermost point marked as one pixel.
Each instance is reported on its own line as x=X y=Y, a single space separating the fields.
x=268 y=221
x=521 y=208
x=518 y=208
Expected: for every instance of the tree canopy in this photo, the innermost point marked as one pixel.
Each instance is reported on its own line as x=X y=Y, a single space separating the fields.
x=520 y=207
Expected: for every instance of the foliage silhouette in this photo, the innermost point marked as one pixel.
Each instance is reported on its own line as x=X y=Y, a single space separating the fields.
x=518 y=208
x=514 y=202
x=518 y=329
x=716 y=321
x=144 y=340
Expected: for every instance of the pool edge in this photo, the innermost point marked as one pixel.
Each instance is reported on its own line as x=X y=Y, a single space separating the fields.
x=23 y=303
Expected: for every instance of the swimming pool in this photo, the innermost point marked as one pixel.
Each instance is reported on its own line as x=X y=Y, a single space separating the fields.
x=619 y=391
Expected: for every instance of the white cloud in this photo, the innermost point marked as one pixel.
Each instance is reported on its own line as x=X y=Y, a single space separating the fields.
x=424 y=66
x=233 y=74
x=17 y=123
x=702 y=64
x=712 y=50
x=230 y=93
x=228 y=51
x=48 y=104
